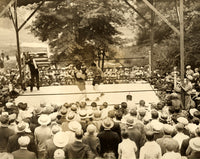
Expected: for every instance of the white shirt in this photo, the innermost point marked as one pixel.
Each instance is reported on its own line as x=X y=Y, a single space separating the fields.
x=127 y=149
x=179 y=137
x=150 y=150
x=171 y=155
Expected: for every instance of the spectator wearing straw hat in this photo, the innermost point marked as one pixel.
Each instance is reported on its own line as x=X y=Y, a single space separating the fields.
x=50 y=147
x=23 y=153
x=59 y=154
x=71 y=116
x=193 y=130
x=5 y=133
x=109 y=139
x=13 y=144
x=73 y=127
x=189 y=71
x=42 y=133
x=83 y=119
x=194 y=144
x=34 y=119
x=78 y=149
x=90 y=138
x=189 y=150
x=97 y=120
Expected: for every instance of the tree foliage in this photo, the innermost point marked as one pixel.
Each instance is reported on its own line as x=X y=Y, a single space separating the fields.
x=166 y=53
x=77 y=29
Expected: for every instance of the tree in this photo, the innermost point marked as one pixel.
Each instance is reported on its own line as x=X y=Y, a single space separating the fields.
x=79 y=29
x=167 y=48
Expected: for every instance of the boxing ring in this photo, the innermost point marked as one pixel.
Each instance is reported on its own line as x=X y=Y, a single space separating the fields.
x=113 y=94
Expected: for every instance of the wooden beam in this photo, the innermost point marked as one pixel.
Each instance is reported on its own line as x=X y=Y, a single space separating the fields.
x=30 y=16
x=7 y=7
x=161 y=16
x=131 y=6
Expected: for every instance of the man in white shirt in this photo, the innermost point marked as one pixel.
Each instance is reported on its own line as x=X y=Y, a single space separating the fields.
x=151 y=149
x=180 y=136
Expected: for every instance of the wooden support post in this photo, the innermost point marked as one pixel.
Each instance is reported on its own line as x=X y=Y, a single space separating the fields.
x=18 y=45
x=152 y=36
x=103 y=60
x=7 y=7
x=182 y=59
x=150 y=62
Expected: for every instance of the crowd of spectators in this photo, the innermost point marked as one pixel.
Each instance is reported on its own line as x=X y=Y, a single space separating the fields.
x=65 y=75
x=167 y=83
x=163 y=130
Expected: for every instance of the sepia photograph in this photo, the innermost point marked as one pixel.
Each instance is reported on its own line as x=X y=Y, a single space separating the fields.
x=99 y=79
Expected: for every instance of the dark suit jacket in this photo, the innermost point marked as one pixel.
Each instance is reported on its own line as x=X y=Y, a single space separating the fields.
x=194 y=155
x=78 y=150
x=93 y=143
x=50 y=148
x=5 y=133
x=23 y=154
x=136 y=136
x=116 y=128
x=184 y=146
x=109 y=141
x=13 y=142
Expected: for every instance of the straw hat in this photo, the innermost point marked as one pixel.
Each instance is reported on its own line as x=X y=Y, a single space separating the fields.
x=60 y=139
x=192 y=111
x=23 y=141
x=91 y=129
x=70 y=116
x=108 y=123
x=21 y=127
x=195 y=143
x=44 y=119
x=182 y=120
x=83 y=114
x=59 y=153
x=74 y=125
x=188 y=67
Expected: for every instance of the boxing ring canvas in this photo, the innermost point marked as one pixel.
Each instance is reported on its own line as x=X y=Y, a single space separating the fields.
x=113 y=94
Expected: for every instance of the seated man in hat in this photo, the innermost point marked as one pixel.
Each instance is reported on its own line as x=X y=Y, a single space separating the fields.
x=23 y=153
x=78 y=149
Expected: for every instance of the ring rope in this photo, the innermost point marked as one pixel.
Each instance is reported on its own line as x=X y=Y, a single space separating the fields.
x=128 y=91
